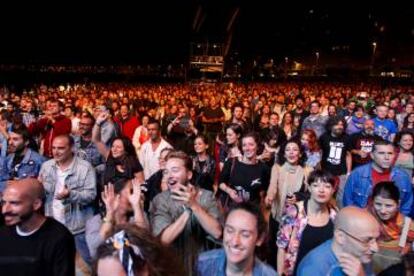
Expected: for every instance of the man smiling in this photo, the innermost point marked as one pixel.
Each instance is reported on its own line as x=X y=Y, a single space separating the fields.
x=243 y=230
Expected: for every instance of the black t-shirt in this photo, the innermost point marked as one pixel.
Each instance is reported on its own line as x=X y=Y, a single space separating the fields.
x=203 y=173
x=154 y=187
x=48 y=251
x=358 y=141
x=334 y=151
x=312 y=237
x=248 y=180
x=113 y=175
x=210 y=113
x=301 y=115
x=18 y=158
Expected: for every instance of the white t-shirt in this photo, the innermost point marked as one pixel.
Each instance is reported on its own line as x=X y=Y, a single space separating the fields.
x=149 y=159
x=58 y=206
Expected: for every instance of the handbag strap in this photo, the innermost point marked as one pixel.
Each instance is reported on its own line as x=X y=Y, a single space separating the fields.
x=404 y=232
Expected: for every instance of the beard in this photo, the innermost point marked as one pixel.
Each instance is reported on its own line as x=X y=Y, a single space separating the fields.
x=338 y=132
x=369 y=131
x=22 y=218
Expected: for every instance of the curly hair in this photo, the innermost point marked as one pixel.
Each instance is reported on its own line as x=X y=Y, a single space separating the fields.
x=281 y=153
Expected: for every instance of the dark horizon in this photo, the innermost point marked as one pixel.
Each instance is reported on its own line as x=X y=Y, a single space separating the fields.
x=162 y=33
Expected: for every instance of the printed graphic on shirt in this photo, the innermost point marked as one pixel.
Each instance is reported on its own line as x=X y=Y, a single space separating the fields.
x=245 y=195
x=382 y=131
x=335 y=152
x=366 y=145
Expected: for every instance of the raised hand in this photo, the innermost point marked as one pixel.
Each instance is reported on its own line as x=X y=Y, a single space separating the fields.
x=102 y=117
x=110 y=199
x=350 y=265
x=185 y=194
x=134 y=198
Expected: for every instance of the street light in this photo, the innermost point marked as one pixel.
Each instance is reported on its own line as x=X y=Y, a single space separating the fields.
x=374 y=49
x=316 y=62
x=286 y=66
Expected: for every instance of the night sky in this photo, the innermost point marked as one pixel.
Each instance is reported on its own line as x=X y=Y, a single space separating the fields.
x=162 y=32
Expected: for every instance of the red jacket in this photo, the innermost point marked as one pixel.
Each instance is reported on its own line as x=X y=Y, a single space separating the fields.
x=49 y=131
x=127 y=127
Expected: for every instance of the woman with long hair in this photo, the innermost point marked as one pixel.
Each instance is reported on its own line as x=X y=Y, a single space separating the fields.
x=404 y=142
x=231 y=147
x=313 y=152
x=288 y=126
x=121 y=158
x=204 y=165
x=409 y=122
x=244 y=178
x=288 y=184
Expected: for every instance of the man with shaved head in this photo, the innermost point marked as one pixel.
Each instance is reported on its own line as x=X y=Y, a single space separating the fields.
x=32 y=244
x=351 y=249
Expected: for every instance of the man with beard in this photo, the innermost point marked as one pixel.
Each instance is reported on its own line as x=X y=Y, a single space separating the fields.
x=299 y=112
x=351 y=249
x=21 y=162
x=361 y=144
x=50 y=126
x=360 y=183
x=184 y=215
x=32 y=244
x=83 y=145
x=336 y=157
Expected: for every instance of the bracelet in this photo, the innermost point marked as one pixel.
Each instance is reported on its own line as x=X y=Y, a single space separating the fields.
x=107 y=220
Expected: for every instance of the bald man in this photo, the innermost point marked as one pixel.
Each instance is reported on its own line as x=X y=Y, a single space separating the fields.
x=32 y=244
x=351 y=249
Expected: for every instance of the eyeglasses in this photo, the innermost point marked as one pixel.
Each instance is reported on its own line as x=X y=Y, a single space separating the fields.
x=365 y=242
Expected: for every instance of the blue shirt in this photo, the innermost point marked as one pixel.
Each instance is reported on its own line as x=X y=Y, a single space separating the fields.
x=214 y=263
x=384 y=128
x=358 y=188
x=322 y=261
x=28 y=167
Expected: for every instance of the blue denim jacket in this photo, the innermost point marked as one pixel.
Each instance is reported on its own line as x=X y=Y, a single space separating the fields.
x=90 y=153
x=322 y=261
x=29 y=167
x=214 y=263
x=81 y=181
x=358 y=188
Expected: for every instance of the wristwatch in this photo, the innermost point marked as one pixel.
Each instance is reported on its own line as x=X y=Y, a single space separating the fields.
x=186 y=208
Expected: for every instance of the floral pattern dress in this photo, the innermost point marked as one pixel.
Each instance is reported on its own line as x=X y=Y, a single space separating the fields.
x=294 y=221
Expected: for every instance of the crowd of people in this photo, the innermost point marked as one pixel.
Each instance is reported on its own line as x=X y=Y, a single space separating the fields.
x=207 y=179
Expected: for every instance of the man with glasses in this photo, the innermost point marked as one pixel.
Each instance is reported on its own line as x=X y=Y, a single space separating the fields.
x=351 y=249
x=83 y=145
